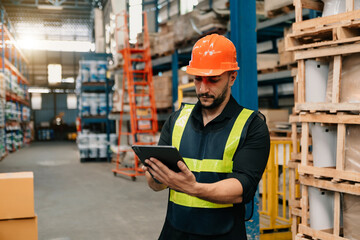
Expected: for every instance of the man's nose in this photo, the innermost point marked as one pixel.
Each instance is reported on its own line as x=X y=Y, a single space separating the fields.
x=204 y=85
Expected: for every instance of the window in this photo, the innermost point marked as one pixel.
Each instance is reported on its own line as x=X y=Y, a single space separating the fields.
x=36 y=101
x=135 y=22
x=54 y=73
x=71 y=101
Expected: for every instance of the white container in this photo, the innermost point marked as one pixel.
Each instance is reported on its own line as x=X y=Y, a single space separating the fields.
x=86 y=109
x=94 y=108
x=113 y=139
x=103 y=151
x=324 y=140
x=321 y=208
x=102 y=109
x=93 y=71
x=102 y=66
x=316 y=76
x=84 y=151
x=93 y=151
x=102 y=138
x=83 y=139
x=93 y=139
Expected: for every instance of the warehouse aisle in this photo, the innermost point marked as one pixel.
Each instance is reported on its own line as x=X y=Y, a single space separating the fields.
x=84 y=201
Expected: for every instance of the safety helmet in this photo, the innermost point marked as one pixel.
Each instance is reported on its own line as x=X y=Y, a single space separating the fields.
x=212 y=55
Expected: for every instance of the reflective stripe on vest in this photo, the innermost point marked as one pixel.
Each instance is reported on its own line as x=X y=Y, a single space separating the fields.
x=207 y=165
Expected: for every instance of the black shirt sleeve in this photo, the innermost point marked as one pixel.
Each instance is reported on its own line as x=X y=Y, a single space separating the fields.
x=251 y=158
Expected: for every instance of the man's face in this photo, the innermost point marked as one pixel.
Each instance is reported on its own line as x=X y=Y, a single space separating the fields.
x=212 y=91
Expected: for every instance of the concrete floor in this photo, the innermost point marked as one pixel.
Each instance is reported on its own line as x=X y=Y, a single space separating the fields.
x=84 y=201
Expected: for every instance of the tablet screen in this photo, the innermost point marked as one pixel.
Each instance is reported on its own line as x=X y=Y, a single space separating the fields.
x=168 y=155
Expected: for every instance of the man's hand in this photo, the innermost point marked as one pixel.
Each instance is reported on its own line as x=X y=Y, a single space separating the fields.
x=183 y=181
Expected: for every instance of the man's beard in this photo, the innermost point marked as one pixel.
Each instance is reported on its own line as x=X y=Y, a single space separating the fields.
x=217 y=101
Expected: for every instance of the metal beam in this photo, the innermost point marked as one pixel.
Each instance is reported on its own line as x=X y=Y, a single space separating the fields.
x=243 y=35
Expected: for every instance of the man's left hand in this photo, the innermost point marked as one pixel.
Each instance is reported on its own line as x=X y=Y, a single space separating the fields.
x=183 y=181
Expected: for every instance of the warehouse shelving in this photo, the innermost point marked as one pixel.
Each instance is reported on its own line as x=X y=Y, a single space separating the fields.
x=14 y=69
x=98 y=117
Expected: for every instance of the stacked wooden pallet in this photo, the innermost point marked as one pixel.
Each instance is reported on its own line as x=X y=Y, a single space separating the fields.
x=335 y=40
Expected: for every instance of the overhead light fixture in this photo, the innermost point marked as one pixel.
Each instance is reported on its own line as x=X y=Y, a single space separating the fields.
x=39 y=90
x=49 y=7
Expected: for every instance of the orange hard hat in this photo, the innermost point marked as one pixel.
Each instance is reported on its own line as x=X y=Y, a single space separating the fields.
x=212 y=55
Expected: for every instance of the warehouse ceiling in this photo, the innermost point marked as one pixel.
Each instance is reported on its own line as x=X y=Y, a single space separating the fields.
x=52 y=19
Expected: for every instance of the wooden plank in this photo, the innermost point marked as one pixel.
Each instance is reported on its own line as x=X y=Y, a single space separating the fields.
x=312 y=23
x=328 y=185
x=342 y=40
x=337 y=210
x=329 y=118
x=304 y=144
x=301 y=81
x=330 y=173
x=327 y=106
x=313 y=4
x=340 y=151
x=328 y=51
x=316 y=234
x=304 y=202
x=298 y=11
x=294 y=203
x=296 y=212
x=297 y=156
x=336 y=79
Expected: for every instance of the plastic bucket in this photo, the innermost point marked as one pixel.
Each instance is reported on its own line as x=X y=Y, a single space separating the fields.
x=102 y=151
x=84 y=151
x=93 y=151
x=102 y=138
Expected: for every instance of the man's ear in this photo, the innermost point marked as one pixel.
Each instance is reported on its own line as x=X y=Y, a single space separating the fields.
x=232 y=78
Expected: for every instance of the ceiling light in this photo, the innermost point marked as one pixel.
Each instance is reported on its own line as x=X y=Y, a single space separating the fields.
x=49 y=7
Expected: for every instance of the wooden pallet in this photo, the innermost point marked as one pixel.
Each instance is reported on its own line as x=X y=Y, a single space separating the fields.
x=335 y=34
x=335 y=105
x=336 y=180
x=278 y=68
x=280 y=11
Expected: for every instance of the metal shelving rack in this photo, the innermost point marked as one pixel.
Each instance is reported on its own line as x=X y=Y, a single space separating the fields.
x=14 y=63
x=97 y=87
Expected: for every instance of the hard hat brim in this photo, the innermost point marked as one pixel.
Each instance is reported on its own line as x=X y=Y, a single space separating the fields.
x=207 y=72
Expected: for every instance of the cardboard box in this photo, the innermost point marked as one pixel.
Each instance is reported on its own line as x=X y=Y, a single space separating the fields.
x=16 y=195
x=19 y=229
x=270 y=5
x=285 y=57
x=274 y=116
x=267 y=60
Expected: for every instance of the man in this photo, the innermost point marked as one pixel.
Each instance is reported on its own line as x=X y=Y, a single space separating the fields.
x=225 y=148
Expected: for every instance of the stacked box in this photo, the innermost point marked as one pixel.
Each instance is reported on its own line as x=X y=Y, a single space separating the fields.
x=17 y=215
x=192 y=25
x=163 y=91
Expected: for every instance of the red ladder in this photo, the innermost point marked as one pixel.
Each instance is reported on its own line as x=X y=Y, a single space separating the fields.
x=138 y=100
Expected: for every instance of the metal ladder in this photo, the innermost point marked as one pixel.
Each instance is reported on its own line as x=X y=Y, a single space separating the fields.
x=138 y=100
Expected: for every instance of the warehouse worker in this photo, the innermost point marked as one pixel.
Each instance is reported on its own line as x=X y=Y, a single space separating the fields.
x=225 y=147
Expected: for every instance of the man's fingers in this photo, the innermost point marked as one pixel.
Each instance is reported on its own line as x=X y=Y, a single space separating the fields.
x=184 y=168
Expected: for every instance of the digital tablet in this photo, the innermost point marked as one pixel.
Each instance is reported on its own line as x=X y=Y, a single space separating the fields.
x=168 y=155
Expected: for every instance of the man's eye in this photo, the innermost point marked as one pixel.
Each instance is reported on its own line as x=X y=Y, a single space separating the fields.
x=198 y=79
